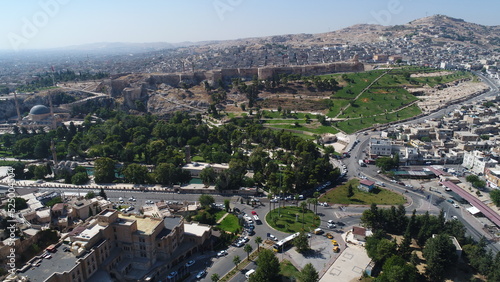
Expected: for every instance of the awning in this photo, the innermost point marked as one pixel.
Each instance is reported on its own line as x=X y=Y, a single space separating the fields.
x=473 y=210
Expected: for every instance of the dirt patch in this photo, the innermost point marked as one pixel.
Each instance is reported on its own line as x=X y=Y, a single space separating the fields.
x=365 y=100
x=431 y=74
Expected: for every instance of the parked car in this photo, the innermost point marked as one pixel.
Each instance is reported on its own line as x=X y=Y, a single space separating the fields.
x=455 y=205
x=172 y=274
x=273 y=237
x=222 y=253
x=201 y=274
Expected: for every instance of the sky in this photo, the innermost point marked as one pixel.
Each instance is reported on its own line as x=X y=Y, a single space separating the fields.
x=40 y=24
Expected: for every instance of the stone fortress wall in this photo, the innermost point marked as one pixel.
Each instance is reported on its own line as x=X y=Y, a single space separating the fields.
x=212 y=76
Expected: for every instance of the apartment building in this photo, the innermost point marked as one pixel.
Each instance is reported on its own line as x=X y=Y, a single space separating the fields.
x=380 y=147
x=478 y=161
x=127 y=247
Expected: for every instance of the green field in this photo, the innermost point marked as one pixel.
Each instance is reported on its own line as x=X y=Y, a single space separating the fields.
x=229 y=224
x=288 y=270
x=353 y=125
x=289 y=219
x=379 y=196
x=315 y=128
x=387 y=100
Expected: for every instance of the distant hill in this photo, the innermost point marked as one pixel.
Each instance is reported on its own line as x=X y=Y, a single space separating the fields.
x=438 y=28
x=124 y=47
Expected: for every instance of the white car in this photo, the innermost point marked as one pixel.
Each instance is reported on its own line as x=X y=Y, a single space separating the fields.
x=273 y=237
x=222 y=253
x=455 y=205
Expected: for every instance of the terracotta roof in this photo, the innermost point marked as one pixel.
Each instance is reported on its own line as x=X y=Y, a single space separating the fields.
x=367 y=182
x=359 y=231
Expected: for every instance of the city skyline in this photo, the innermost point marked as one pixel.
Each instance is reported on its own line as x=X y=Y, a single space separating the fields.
x=61 y=23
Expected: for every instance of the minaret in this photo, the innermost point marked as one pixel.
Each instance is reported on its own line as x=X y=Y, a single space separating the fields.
x=17 y=109
x=54 y=125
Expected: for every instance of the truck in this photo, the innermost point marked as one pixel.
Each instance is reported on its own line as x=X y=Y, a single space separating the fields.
x=361 y=163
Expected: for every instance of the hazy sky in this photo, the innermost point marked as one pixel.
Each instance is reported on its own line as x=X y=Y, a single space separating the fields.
x=28 y=24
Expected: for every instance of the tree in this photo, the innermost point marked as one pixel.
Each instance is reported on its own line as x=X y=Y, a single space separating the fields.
x=495 y=197
x=103 y=194
x=18 y=170
x=258 y=241
x=303 y=206
x=215 y=277
x=136 y=173
x=379 y=249
x=308 y=274
x=350 y=191
x=206 y=201
x=208 y=176
x=40 y=171
x=19 y=204
x=104 y=170
x=236 y=261
x=301 y=243
x=90 y=195
x=397 y=269
x=248 y=249
x=54 y=201
x=268 y=267
x=439 y=253
x=80 y=178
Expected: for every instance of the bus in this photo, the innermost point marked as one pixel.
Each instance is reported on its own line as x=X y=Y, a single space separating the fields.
x=282 y=244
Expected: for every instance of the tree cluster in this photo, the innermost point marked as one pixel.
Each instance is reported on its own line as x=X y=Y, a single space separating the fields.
x=432 y=233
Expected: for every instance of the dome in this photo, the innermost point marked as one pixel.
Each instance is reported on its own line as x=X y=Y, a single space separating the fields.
x=39 y=110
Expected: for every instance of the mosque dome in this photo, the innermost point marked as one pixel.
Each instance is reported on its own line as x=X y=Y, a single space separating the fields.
x=39 y=110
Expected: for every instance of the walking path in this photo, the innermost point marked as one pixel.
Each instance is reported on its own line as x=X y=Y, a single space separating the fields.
x=361 y=93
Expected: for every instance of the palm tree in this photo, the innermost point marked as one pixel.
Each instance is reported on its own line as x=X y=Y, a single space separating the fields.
x=316 y=195
x=258 y=241
x=269 y=197
x=303 y=205
x=315 y=204
x=297 y=199
x=236 y=261
x=248 y=249
x=309 y=202
x=215 y=277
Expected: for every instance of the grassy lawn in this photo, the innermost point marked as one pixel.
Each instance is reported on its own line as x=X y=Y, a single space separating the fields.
x=338 y=104
x=287 y=269
x=7 y=163
x=197 y=159
x=313 y=127
x=229 y=223
x=287 y=221
x=353 y=125
x=379 y=196
x=219 y=215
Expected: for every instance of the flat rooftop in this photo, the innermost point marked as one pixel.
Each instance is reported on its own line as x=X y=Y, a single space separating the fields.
x=144 y=225
x=195 y=229
x=61 y=261
x=91 y=232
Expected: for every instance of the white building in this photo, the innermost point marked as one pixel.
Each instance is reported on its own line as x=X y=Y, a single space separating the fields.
x=380 y=147
x=477 y=161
